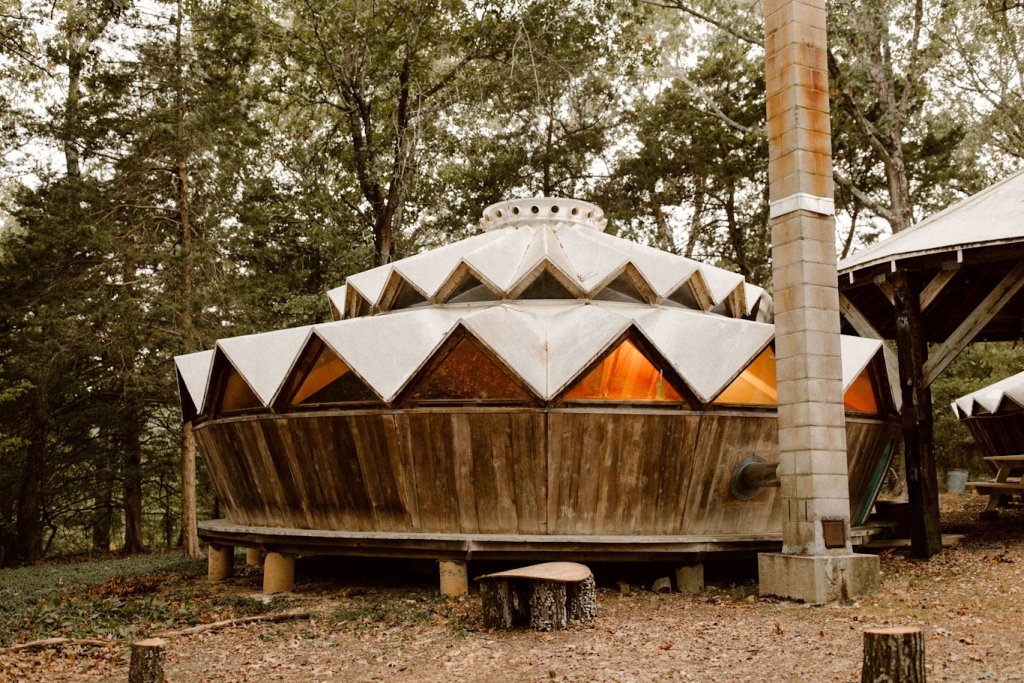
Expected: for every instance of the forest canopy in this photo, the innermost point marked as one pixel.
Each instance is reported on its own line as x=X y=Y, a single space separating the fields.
x=176 y=172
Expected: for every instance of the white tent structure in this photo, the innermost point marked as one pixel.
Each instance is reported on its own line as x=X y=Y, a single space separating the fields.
x=541 y=388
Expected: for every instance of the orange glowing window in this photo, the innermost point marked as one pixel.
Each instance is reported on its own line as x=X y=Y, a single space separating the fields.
x=756 y=384
x=329 y=380
x=237 y=395
x=467 y=373
x=625 y=374
x=860 y=397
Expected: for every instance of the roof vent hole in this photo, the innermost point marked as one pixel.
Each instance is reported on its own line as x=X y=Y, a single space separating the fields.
x=534 y=209
x=554 y=209
x=575 y=210
x=499 y=214
x=515 y=210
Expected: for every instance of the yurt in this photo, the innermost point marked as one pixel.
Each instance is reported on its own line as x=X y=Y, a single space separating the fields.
x=541 y=389
x=995 y=416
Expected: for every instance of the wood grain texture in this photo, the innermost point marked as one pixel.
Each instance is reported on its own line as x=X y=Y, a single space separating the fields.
x=518 y=471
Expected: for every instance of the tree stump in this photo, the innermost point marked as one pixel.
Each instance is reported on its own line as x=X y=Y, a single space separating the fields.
x=147 y=662
x=506 y=603
x=893 y=655
x=547 y=605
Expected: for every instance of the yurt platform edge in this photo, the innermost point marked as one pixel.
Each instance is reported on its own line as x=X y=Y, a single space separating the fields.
x=620 y=548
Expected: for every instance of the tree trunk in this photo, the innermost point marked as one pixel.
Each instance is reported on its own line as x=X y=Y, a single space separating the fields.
x=104 y=518
x=189 y=533
x=132 y=445
x=916 y=415
x=893 y=655
x=190 y=538
x=28 y=540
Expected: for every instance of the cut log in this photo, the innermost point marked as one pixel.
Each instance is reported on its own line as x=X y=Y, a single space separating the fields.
x=147 y=663
x=547 y=605
x=893 y=655
x=506 y=603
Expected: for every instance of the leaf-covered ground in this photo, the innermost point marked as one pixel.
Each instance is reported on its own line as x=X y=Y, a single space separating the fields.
x=383 y=621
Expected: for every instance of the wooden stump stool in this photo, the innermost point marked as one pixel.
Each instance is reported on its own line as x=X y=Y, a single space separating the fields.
x=893 y=654
x=543 y=596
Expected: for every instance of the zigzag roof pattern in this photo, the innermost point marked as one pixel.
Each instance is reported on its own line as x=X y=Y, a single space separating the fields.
x=539 y=341
x=1004 y=396
x=524 y=239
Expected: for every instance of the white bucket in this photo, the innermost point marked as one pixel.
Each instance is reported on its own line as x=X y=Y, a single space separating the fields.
x=956 y=481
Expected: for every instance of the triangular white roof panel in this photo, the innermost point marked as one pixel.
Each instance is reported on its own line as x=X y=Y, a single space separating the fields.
x=195 y=369
x=707 y=350
x=857 y=352
x=370 y=283
x=429 y=270
x=337 y=298
x=518 y=338
x=591 y=261
x=576 y=336
x=264 y=359
x=499 y=259
x=387 y=350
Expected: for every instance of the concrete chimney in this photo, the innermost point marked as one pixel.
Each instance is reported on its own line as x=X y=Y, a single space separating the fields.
x=817 y=564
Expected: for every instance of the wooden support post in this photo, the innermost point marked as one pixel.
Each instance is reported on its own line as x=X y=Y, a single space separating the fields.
x=916 y=414
x=147 y=662
x=454 y=578
x=278 y=573
x=253 y=557
x=220 y=561
x=547 y=605
x=189 y=533
x=893 y=654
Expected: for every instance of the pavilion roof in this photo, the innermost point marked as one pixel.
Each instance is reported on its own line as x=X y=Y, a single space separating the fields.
x=991 y=217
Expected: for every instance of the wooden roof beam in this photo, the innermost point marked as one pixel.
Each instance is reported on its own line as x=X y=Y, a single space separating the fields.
x=965 y=333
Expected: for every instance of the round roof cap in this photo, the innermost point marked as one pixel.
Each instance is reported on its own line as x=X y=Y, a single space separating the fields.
x=534 y=210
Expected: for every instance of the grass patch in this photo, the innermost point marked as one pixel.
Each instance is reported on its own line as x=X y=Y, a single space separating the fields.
x=115 y=598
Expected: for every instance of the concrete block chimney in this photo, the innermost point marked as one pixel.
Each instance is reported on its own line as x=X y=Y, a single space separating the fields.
x=817 y=564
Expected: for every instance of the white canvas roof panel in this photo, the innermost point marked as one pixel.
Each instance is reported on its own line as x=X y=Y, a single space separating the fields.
x=857 y=353
x=387 y=350
x=576 y=336
x=499 y=259
x=195 y=369
x=370 y=283
x=993 y=216
x=592 y=262
x=707 y=351
x=517 y=338
x=263 y=360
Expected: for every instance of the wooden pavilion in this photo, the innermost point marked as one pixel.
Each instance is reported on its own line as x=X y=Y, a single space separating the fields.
x=954 y=278
x=542 y=389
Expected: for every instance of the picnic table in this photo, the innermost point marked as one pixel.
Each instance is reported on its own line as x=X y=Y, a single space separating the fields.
x=1008 y=480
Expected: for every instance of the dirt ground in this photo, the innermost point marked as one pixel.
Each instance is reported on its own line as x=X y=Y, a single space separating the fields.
x=367 y=628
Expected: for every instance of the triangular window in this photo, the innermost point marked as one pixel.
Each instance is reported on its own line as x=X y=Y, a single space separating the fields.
x=860 y=397
x=683 y=297
x=471 y=290
x=621 y=289
x=625 y=374
x=236 y=394
x=407 y=297
x=330 y=380
x=756 y=384
x=465 y=372
x=546 y=286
